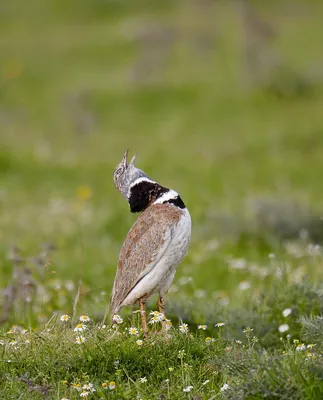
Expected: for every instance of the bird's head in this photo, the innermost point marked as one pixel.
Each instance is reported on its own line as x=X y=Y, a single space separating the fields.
x=125 y=175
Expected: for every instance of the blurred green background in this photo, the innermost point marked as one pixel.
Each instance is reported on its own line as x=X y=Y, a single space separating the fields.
x=220 y=100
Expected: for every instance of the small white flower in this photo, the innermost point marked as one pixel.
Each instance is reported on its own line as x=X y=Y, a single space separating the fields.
x=224 y=387
x=181 y=354
x=287 y=312
x=116 y=318
x=244 y=285
x=219 y=324
x=168 y=324
x=183 y=328
x=88 y=387
x=157 y=316
x=203 y=327
x=76 y=386
x=283 y=328
x=238 y=341
x=65 y=318
x=139 y=342
x=143 y=380
x=80 y=339
x=188 y=389
x=112 y=385
x=133 y=331
x=85 y=394
x=85 y=318
x=80 y=328
x=154 y=320
x=301 y=347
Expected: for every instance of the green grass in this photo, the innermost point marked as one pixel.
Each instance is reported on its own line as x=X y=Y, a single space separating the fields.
x=80 y=83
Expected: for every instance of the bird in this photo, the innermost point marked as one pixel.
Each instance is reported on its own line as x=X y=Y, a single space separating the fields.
x=155 y=244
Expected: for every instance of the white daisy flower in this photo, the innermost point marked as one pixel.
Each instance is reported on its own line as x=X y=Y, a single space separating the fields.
x=168 y=324
x=203 y=327
x=80 y=328
x=287 y=312
x=65 y=318
x=76 y=386
x=116 y=318
x=301 y=347
x=89 y=387
x=219 y=324
x=112 y=385
x=154 y=320
x=143 y=380
x=80 y=339
x=224 y=387
x=85 y=318
x=133 y=331
x=283 y=328
x=183 y=328
x=188 y=389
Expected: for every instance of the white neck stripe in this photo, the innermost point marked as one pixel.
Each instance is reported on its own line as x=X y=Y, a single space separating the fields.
x=137 y=181
x=170 y=195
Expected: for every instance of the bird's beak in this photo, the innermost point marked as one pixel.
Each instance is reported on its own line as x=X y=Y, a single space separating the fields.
x=124 y=160
x=133 y=160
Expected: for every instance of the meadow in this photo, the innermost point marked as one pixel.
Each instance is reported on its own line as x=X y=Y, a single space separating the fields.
x=221 y=101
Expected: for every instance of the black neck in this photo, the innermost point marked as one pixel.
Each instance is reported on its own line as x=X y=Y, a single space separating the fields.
x=145 y=193
x=177 y=201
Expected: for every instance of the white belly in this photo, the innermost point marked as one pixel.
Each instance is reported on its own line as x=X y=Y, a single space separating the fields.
x=160 y=277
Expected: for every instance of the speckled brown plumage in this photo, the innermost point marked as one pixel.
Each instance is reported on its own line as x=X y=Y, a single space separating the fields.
x=141 y=248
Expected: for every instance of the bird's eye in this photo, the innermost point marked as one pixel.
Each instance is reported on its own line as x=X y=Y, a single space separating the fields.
x=118 y=172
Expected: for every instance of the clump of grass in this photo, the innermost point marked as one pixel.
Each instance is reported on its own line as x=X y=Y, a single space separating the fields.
x=63 y=355
x=73 y=356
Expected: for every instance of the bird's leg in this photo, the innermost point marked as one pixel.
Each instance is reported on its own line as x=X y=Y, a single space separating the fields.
x=143 y=316
x=161 y=309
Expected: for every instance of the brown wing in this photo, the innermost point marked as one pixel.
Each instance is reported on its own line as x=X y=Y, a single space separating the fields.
x=144 y=245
